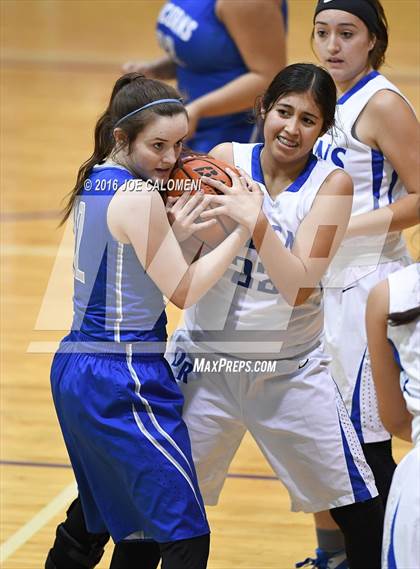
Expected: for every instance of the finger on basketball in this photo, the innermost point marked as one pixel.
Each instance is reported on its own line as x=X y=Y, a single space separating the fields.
x=204 y=225
x=251 y=184
x=196 y=208
x=182 y=201
x=170 y=201
x=217 y=184
x=232 y=173
x=213 y=212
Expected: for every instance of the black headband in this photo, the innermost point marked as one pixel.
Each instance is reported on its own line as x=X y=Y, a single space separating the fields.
x=360 y=8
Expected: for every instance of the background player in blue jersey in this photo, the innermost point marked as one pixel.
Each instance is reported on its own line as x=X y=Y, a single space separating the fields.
x=393 y=330
x=268 y=306
x=223 y=54
x=118 y=405
x=377 y=143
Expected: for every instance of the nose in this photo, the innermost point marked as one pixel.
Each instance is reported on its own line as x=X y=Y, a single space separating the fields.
x=292 y=125
x=333 y=44
x=170 y=157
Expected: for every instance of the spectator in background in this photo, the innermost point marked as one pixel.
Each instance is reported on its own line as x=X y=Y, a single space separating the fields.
x=223 y=54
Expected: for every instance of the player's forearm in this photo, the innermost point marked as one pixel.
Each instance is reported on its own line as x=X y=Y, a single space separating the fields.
x=234 y=97
x=163 y=68
x=395 y=217
x=206 y=271
x=286 y=270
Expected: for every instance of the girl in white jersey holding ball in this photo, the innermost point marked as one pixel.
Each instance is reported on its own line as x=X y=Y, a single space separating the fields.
x=268 y=306
x=376 y=142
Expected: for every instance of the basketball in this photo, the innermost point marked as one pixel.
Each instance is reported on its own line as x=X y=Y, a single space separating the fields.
x=187 y=177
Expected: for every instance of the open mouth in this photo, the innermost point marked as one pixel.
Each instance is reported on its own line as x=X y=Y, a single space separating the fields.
x=287 y=142
x=335 y=60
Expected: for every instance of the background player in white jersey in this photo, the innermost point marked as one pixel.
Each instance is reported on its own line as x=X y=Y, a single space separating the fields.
x=268 y=305
x=116 y=399
x=376 y=142
x=393 y=329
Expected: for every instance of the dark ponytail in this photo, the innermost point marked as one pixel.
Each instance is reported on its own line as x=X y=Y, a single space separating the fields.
x=400 y=318
x=130 y=92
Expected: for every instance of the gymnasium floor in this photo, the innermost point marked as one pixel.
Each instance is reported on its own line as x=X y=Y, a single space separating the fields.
x=59 y=61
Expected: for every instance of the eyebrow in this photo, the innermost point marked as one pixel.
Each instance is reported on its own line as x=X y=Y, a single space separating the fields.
x=339 y=24
x=305 y=112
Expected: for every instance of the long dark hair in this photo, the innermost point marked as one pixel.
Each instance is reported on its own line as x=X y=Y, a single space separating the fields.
x=130 y=92
x=377 y=55
x=400 y=318
x=303 y=78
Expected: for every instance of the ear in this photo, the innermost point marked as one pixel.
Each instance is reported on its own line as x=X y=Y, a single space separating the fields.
x=262 y=113
x=119 y=136
x=372 y=42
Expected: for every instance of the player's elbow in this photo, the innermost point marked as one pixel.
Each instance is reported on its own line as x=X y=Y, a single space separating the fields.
x=182 y=297
x=398 y=426
x=300 y=298
x=179 y=300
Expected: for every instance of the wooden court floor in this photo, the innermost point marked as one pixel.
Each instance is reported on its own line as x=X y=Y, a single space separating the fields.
x=59 y=59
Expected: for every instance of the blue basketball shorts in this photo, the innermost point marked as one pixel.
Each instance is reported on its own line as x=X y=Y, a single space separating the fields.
x=120 y=415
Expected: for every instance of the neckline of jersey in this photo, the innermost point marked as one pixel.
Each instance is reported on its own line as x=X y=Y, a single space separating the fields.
x=361 y=83
x=295 y=186
x=110 y=165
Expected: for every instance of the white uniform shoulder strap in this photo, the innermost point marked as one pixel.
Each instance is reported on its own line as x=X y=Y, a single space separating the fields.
x=404 y=288
x=352 y=103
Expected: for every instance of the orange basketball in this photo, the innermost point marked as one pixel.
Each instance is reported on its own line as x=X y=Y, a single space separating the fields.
x=187 y=177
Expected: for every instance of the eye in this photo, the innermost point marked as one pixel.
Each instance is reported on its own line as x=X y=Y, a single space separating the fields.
x=347 y=35
x=321 y=33
x=283 y=112
x=308 y=121
x=158 y=145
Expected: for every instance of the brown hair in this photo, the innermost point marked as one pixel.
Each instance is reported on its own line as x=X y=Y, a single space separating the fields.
x=377 y=55
x=130 y=92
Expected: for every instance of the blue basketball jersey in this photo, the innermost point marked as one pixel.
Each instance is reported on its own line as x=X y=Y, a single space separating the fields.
x=114 y=298
x=119 y=408
x=207 y=58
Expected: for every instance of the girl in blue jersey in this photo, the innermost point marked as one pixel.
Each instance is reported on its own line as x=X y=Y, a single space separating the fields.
x=223 y=55
x=116 y=399
x=377 y=143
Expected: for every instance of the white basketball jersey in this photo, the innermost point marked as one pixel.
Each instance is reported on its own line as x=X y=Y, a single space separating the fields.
x=404 y=294
x=376 y=183
x=244 y=312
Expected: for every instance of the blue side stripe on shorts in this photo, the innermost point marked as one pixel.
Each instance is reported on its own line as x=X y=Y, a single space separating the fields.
x=148 y=411
x=355 y=404
x=360 y=490
x=392 y=563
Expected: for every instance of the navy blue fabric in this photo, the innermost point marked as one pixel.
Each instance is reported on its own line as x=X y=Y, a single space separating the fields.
x=129 y=448
x=207 y=58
